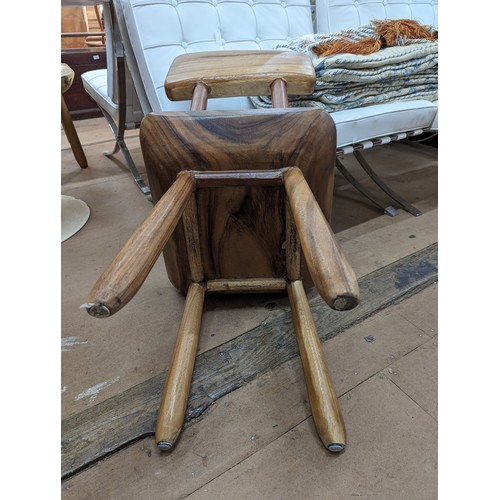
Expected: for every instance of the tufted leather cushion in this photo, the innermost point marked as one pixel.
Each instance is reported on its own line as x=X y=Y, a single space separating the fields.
x=361 y=124
x=95 y=83
x=160 y=30
x=337 y=15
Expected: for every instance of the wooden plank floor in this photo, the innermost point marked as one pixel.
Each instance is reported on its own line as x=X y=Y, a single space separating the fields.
x=258 y=440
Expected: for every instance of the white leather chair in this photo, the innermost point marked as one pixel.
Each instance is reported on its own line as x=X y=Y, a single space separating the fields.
x=149 y=34
x=113 y=89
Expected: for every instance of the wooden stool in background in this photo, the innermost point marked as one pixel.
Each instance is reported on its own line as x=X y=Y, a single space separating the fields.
x=254 y=191
x=67 y=76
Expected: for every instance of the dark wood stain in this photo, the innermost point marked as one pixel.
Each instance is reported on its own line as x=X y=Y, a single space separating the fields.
x=241 y=226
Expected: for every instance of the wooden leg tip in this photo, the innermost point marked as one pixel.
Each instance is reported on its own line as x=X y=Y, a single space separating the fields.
x=345 y=303
x=336 y=447
x=164 y=445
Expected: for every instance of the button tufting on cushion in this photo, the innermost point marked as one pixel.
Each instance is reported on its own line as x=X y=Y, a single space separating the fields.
x=160 y=31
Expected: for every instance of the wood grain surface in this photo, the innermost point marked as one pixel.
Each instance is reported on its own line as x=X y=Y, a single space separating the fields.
x=322 y=397
x=241 y=227
x=178 y=384
x=330 y=271
x=124 y=276
x=229 y=73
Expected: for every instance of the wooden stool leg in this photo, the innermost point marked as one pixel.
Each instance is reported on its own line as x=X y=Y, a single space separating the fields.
x=324 y=404
x=70 y=131
x=176 y=391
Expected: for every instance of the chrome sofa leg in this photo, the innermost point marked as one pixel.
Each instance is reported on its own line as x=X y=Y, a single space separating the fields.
x=120 y=145
x=115 y=150
x=378 y=181
x=389 y=210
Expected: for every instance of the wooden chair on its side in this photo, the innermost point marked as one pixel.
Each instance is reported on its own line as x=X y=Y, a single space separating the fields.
x=254 y=191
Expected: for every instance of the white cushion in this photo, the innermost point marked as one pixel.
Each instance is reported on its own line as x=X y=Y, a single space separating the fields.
x=96 y=82
x=160 y=30
x=434 y=124
x=360 y=124
x=333 y=16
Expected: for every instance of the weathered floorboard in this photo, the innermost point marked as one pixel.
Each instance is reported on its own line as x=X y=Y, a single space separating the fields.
x=120 y=420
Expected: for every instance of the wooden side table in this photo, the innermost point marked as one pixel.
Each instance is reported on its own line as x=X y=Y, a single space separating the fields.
x=67 y=76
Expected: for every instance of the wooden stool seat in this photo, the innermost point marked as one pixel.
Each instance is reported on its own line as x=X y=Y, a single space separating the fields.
x=67 y=77
x=243 y=201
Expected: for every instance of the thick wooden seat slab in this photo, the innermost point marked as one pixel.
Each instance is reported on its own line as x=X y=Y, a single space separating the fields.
x=241 y=227
x=239 y=72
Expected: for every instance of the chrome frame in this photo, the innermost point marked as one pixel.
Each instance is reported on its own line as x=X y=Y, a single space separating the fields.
x=119 y=128
x=356 y=149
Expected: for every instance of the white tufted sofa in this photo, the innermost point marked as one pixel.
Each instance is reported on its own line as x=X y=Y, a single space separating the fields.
x=154 y=32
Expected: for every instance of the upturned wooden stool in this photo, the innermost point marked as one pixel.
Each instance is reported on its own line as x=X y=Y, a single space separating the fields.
x=254 y=191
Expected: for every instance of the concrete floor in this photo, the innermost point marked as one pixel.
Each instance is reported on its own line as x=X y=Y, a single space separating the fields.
x=259 y=440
